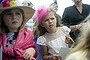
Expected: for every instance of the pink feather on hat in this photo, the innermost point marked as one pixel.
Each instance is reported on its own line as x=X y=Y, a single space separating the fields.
x=40 y=14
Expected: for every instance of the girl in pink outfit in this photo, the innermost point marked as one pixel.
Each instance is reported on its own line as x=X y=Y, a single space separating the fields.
x=15 y=40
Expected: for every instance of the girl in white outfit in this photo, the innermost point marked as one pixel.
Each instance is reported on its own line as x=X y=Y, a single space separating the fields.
x=52 y=34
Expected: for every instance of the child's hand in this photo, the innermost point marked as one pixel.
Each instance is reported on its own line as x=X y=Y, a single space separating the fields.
x=69 y=40
x=29 y=53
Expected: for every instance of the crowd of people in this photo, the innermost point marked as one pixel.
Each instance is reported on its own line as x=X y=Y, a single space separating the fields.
x=49 y=32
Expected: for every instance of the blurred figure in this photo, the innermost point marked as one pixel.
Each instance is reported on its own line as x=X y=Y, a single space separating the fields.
x=54 y=7
x=27 y=3
x=82 y=49
x=52 y=35
x=74 y=15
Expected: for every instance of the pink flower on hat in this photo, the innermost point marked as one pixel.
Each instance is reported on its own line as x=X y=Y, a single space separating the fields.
x=8 y=3
x=40 y=14
x=5 y=3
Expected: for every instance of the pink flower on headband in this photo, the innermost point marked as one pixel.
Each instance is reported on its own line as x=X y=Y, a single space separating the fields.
x=40 y=14
x=5 y=3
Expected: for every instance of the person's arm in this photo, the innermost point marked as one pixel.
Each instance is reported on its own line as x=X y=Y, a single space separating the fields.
x=46 y=55
x=69 y=40
x=75 y=27
x=44 y=47
x=44 y=50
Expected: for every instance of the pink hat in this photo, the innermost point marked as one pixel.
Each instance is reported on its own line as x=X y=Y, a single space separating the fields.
x=40 y=14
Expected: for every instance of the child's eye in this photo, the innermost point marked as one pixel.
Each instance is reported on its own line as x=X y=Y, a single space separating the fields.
x=52 y=18
x=46 y=20
x=17 y=13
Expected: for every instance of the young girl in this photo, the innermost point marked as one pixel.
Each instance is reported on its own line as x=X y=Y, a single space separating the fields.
x=16 y=41
x=52 y=35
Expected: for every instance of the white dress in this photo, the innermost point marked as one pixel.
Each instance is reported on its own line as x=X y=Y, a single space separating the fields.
x=55 y=40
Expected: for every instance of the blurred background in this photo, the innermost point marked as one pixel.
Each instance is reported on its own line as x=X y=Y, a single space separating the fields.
x=61 y=4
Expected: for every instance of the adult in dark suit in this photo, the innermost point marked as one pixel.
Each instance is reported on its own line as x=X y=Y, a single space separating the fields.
x=74 y=15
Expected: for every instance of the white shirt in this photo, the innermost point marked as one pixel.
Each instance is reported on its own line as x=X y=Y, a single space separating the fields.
x=55 y=40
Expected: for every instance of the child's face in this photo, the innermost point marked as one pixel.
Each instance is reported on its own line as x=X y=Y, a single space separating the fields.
x=50 y=21
x=13 y=18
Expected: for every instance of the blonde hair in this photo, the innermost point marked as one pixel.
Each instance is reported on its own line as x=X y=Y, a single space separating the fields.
x=35 y=30
x=84 y=38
